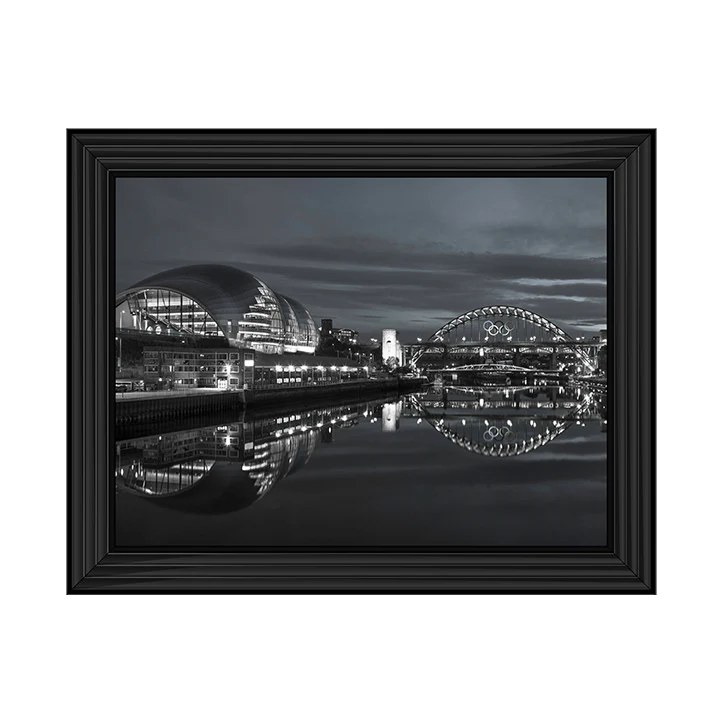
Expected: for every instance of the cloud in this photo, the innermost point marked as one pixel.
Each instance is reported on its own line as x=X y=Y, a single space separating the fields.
x=397 y=252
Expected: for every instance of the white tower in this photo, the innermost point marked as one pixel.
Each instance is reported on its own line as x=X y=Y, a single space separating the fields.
x=389 y=344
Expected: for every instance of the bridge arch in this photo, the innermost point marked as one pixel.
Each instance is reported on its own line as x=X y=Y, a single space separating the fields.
x=497 y=323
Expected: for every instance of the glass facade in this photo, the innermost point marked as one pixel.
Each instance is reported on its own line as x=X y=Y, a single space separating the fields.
x=214 y=300
x=262 y=326
x=300 y=333
x=164 y=312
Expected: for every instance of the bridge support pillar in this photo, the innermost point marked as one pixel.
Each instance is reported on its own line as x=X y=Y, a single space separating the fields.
x=518 y=358
x=553 y=359
x=592 y=353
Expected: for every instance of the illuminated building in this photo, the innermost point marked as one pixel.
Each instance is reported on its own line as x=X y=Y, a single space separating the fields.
x=216 y=301
x=346 y=336
x=231 y=368
x=390 y=345
x=181 y=368
x=349 y=336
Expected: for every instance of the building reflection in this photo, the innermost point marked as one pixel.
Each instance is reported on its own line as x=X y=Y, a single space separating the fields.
x=391 y=414
x=224 y=468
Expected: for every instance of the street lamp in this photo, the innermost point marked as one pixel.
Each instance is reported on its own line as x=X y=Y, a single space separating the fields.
x=120 y=353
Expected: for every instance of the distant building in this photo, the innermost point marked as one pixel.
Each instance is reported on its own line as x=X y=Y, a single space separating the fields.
x=348 y=336
x=326 y=328
x=343 y=335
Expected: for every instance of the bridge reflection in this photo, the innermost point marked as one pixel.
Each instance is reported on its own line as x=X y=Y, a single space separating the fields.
x=224 y=468
x=507 y=422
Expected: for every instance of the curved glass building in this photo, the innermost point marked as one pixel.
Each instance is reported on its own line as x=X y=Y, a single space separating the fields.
x=212 y=300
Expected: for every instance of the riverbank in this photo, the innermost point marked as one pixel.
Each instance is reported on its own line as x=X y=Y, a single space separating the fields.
x=137 y=408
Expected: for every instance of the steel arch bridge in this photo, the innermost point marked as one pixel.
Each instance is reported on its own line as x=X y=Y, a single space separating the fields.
x=506 y=437
x=495 y=324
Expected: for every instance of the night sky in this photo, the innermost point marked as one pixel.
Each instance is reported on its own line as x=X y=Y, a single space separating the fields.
x=404 y=253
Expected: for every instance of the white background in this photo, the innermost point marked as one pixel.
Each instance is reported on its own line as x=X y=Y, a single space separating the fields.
x=364 y=65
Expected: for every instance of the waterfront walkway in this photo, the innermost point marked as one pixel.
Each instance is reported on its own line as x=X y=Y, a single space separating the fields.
x=135 y=407
x=165 y=393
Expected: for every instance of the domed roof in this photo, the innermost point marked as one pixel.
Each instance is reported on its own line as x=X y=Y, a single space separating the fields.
x=307 y=327
x=241 y=304
x=226 y=292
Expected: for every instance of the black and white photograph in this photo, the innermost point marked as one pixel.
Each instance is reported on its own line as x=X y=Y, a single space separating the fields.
x=340 y=363
x=354 y=333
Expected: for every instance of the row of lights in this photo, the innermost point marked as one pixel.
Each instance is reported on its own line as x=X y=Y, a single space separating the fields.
x=304 y=368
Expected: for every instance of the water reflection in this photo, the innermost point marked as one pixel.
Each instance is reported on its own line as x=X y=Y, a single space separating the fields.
x=507 y=422
x=227 y=467
x=224 y=468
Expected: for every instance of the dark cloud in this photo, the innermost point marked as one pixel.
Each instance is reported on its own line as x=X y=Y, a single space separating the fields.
x=407 y=253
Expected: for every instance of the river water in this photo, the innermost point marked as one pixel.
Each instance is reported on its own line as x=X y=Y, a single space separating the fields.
x=451 y=467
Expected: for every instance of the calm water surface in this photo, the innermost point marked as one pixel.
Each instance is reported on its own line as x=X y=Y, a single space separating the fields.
x=449 y=467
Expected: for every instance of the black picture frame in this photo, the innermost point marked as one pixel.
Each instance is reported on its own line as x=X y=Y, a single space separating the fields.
x=96 y=158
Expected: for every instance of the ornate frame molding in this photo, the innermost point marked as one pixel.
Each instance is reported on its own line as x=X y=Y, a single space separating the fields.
x=625 y=157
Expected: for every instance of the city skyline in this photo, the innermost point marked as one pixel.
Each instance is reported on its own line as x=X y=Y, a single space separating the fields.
x=403 y=253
